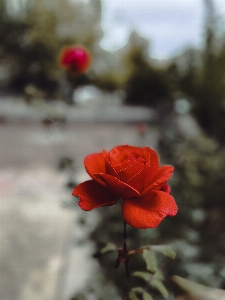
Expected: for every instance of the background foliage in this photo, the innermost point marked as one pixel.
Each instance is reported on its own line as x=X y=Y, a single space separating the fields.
x=29 y=47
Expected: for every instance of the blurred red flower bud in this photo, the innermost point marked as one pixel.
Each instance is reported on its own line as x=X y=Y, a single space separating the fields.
x=75 y=58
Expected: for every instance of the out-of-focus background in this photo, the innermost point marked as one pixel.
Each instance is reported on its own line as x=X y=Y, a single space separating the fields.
x=157 y=79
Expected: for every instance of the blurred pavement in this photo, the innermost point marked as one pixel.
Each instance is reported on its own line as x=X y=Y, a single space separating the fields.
x=101 y=110
x=40 y=253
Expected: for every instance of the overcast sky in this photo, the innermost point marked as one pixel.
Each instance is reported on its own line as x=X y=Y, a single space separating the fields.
x=169 y=25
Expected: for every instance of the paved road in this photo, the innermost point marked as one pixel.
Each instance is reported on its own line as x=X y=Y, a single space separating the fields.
x=102 y=110
x=38 y=259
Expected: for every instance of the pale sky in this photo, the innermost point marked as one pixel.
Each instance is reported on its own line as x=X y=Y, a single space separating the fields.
x=169 y=25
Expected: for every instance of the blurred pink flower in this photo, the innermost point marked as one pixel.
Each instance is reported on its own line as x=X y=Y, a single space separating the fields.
x=77 y=59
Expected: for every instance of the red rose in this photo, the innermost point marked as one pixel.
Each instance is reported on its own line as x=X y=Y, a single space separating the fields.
x=132 y=174
x=75 y=58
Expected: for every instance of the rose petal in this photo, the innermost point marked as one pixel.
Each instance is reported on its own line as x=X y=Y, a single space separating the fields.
x=149 y=210
x=140 y=180
x=125 y=152
x=162 y=175
x=131 y=170
x=109 y=168
x=165 y=188
x=120 y=166
x=117 y=187
x=93 y=195
x=150 y=155
x=94 y=163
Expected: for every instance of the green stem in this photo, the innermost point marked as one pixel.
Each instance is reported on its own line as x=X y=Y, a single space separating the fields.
x=125 y=251
x=124 y=236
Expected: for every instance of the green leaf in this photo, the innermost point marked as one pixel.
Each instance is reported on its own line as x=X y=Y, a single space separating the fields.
x=137 y=290
x=160 y=287
x=166 y=250
x=150 y=260
x=144 y=275
x=158 y=275
x=133 y=296
x=192 y=290
x=107 y=249
x=146 y=296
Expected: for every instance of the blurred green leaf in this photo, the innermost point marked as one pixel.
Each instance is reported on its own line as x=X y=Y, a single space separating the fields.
x=158 y=275
x=146 y=296
x=144 y=275
x=166 y=250
x=160 y=287
x=133 y=296
x=137 y=289
x=107 y=249
x=150 y=260
x=195 y=291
